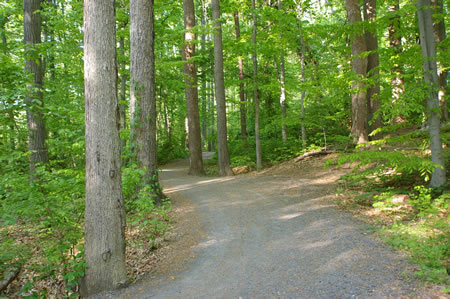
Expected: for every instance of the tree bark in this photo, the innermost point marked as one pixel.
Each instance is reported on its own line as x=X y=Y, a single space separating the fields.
x=301 y=54
x=195 y=140
x=440 y=35
x=212 y=134
x=359 y=67
x=204 y=90
x=282 y=93
x=373 y=72
x=395 y=42
x=243 y=105
x=34 y=98
x=255 y=91
x=428 y=45
x=142 y=91
x=224 y=158
x=104 y=211
x=123 y=95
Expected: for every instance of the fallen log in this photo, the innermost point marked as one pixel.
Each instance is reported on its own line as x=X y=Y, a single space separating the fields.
x=311 y=154
x=9 y=275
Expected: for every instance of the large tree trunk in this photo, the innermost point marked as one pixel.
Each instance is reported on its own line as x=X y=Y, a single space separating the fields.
x=428 y=45
x=243 y=105
x=104 y=212
x=440 y=35
x=224 y=158
x=195 y=140
x=373 y=72
x=395 y=42
x=359 y=67
x=142 y=91
x=34 y=98
x=255 y=91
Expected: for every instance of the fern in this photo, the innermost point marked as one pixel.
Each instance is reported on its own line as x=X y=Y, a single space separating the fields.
x=383 y=166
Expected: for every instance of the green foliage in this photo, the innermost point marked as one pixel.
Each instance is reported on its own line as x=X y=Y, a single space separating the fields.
x=47 y=215
x=385 y=167
x=241 y=161
x=149 y=219
x=428 y=245
x=50 y=210
x=425 y=203
x=170 y=151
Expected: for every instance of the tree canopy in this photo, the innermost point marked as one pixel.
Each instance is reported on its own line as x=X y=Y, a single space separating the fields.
x=315 y=62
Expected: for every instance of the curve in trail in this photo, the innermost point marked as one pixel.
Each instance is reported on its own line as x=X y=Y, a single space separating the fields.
x=275 y=237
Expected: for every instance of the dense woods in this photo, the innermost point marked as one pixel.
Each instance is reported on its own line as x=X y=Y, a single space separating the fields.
x=95 y=96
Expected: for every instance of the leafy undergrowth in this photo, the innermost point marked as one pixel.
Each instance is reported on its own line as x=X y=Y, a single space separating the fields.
x=388 y=189
x=42 y=230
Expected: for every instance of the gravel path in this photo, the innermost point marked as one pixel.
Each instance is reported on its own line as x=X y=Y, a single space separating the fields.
x=275 y=237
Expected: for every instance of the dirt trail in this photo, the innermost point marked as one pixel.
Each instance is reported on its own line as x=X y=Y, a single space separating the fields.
x=272 y=235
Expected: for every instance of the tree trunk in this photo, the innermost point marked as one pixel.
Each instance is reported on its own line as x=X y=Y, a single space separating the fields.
x=255 y=91
x=243 y=105
x=301 y=54
x=204 y=90
x=211 y=97
x=373 y=72
x=359 y=67
x=440 y=35
x=104 y=211
x=34 y=97
x=195 y=140
x=395 y=42
x=224 y=158
x=428 y=45
x=142 y=91
x=282 y=93
x=123 y=95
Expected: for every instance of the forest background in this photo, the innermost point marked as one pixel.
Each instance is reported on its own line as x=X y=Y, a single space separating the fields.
x=299 y=76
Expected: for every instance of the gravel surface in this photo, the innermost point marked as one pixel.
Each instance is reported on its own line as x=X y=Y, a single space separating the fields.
x=277 y=236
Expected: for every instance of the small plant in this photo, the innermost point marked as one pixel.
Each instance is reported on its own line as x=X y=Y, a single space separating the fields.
x=422 y=201
x=427 y=244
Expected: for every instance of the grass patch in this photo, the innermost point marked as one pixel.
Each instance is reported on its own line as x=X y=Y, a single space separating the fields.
x=426 y=241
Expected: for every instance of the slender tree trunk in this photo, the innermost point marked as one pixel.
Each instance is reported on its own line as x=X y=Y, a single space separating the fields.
x=373 y=72
x=104 y=212
x=195 y=140
x=166 y=123
x=282 y=93
x=34 y=97
x=440 y=35
x=428 y=45
x=283 y=100
x=395 y=42
x=123 y=95
x=204 y=91
x=204 y=116
x=211 y=96
x=243 y=105
x=12 y=142
x=142 y=91
x=359 y=67
x=224 y=158
x=255 y=91
x=301 y=54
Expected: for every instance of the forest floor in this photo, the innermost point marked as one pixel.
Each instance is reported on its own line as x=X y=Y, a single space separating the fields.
x=274 y=233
